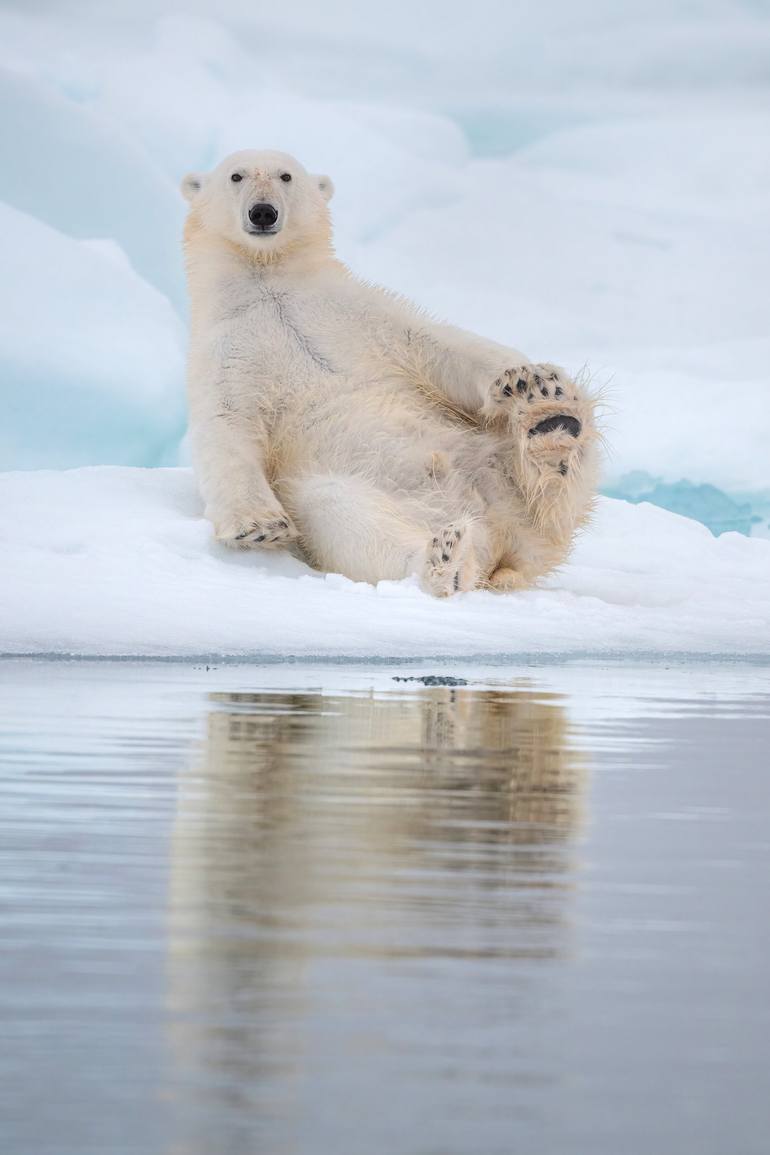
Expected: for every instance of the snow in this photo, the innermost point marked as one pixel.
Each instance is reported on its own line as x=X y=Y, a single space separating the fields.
x=119 y=562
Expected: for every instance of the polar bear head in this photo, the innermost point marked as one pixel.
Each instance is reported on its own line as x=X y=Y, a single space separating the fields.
x=265 y=202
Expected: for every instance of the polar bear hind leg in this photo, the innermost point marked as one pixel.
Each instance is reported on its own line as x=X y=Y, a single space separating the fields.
x=348 y=525
x=506 y=580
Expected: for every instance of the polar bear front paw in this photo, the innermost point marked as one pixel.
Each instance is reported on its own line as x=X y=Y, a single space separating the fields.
x=268 y=529
x=545 y=405
x=530 y=388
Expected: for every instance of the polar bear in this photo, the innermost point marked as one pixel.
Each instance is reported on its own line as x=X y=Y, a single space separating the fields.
x=336 y=419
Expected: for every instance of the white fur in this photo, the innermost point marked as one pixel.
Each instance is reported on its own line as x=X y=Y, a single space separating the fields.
x=333 y=417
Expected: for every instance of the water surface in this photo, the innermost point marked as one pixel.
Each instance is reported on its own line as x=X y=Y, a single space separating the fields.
x=296 y=911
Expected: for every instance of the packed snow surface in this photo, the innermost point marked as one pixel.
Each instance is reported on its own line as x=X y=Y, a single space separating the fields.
x=119 y=561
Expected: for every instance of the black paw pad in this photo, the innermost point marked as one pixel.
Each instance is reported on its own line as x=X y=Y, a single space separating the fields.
x=559 y=421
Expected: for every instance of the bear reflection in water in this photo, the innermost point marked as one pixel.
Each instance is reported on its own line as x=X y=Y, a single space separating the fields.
x=433 y=824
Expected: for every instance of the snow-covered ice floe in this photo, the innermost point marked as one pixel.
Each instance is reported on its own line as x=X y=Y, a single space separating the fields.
x=119 y=561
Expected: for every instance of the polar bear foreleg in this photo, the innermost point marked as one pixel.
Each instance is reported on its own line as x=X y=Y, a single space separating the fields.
x=229 y=457
x=455 y=365
x=501 y=388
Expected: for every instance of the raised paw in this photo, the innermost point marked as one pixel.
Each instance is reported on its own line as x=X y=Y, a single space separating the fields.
x=269 y=529
x=545 y=405
x=528 y=386
x=450 y=564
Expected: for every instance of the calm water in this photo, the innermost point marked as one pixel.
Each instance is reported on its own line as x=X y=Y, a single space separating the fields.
x=321 y=912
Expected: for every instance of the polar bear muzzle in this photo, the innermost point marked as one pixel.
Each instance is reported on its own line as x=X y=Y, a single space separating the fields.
x=263 y=217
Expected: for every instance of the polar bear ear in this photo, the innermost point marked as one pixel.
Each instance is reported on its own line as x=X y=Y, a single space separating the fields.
x=326 y=185
x=192 y=185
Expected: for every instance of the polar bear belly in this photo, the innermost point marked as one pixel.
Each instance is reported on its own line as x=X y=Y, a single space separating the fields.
x=381 y=430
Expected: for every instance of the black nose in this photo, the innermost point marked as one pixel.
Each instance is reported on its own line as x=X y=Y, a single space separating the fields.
x=263 y=216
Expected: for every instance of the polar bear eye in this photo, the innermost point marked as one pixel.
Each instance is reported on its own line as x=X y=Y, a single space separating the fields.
x=236 y=177
x=286 y=176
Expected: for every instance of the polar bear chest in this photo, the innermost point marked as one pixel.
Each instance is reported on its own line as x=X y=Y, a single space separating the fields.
x=306 y=334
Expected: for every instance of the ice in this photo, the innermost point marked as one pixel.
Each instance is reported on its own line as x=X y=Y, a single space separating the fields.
x=111 y=561
x=586 y=182
x=80 y=172
x=653 y=293
x=92 y=357
x=705 y=503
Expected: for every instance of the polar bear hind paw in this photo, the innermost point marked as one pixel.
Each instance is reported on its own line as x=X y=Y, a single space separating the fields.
x=450 y=564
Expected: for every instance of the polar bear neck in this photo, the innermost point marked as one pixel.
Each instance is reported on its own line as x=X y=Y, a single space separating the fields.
x=222 y=274
x=202 y=247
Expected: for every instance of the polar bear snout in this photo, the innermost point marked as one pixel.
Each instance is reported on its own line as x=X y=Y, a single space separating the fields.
x=263 y=217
